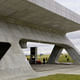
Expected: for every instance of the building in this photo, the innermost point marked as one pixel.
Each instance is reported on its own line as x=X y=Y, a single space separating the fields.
x=43 y=21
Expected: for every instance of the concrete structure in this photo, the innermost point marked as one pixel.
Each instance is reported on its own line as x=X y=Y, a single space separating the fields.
x=55 y=54
x=32 y=20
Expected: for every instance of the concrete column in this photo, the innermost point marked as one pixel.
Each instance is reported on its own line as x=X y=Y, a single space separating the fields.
x=13 y=63
x=33 y=55
x=74 y=54
x=55 y=54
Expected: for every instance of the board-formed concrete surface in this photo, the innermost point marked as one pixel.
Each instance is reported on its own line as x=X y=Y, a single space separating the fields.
x=32 y=20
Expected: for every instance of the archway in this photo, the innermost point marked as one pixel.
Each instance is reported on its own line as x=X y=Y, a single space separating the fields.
x=51 y=61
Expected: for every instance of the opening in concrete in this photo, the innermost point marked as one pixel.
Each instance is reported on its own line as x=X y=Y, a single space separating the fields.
x=39 y=55
x=59 y=55
x=65 y=58
x=4 y=46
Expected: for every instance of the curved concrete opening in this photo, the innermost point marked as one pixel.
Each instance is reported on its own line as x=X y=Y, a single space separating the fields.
x=56 y=56
x=36 y=59
x=4 y=46
x=64 y=58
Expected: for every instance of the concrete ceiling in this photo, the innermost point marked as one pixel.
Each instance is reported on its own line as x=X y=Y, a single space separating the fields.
x=41 y=14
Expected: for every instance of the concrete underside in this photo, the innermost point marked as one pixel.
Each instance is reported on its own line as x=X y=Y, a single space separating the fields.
x=46 y=15
x=22 y=21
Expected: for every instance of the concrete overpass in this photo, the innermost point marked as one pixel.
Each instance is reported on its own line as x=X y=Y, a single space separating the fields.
x=33 y=20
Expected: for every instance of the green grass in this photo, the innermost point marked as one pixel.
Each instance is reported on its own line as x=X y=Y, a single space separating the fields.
x=62 y=58
x=40 y=57
x=59 y=77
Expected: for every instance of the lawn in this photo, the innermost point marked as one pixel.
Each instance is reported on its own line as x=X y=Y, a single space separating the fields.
x=59 y=77
x=62 y=58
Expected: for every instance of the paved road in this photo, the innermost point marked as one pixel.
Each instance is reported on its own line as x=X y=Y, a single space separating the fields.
x=49 y=69
x=52 y=67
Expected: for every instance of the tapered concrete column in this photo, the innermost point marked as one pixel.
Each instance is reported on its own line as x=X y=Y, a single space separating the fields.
x=55 y=54
x=13 y=63
x=74 y=54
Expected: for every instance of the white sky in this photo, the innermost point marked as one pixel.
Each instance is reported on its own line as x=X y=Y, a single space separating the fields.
x=73 y=5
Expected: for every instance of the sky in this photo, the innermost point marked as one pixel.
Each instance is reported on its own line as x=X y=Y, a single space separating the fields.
x=73 y=5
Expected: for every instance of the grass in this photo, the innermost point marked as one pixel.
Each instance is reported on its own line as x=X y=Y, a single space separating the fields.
x=59 y=77
x=62 y=58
